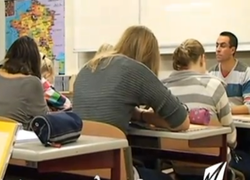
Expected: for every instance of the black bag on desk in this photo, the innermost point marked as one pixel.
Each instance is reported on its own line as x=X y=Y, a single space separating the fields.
x=57 y=128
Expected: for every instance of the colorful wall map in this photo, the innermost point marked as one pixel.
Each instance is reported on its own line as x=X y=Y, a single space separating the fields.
x=41 y=19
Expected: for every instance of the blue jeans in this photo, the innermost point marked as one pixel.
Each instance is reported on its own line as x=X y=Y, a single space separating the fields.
x=149 y=174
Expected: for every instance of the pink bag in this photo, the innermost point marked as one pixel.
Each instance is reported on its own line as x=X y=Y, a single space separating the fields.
x=199 y=116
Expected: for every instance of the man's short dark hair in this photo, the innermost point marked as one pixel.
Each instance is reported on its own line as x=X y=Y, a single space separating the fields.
x=233 y=40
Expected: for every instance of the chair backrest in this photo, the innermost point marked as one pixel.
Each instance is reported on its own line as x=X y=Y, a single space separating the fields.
x=104 y=130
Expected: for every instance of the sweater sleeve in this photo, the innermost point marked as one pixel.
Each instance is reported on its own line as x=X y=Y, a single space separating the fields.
x=54 y=98
x=36 y=104
x=223 y=109
x=149 y=91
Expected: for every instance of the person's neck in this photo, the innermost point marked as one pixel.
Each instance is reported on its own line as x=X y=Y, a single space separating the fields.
x=196 y=69
x=227 y=66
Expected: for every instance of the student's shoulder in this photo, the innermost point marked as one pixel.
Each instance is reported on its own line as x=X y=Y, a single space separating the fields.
x=32 y=82
x=211 y=81
x=130 y=64
x=242 y=70
x=242 y=67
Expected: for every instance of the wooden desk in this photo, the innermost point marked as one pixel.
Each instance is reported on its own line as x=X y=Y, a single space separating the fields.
x=195 y=132
x=242 y=121
x=146 y=142
x=89 y=152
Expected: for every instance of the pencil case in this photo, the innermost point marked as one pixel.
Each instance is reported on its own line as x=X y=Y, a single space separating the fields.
x=199 y=116
x=57 y=128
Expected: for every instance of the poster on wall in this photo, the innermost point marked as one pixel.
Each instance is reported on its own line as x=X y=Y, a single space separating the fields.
x=42 y=20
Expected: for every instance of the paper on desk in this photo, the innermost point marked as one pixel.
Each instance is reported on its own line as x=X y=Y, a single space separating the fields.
x=25 y=136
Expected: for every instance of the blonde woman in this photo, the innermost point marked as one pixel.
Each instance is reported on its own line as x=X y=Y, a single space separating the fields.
x=111 y=85
x=55 y=100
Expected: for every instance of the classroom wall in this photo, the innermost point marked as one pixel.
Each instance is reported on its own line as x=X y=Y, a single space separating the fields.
x=75 y=61
x=166 y=63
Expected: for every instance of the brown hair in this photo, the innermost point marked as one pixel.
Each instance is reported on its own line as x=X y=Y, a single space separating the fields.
x=23 y=57
x=138 y=43
x=189 y=51
x=104 y=48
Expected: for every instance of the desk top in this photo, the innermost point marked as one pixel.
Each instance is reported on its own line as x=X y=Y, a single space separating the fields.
x=195 y=132
x=35 y=151
x=242 y=121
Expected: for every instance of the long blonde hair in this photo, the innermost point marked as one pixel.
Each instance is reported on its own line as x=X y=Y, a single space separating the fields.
x=47 y=68
x=138 y=43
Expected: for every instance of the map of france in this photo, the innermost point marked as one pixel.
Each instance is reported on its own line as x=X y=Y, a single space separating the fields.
x=41 y=19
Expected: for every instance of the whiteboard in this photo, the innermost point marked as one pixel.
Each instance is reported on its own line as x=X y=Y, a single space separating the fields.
x=98 y=21
x=174 y=21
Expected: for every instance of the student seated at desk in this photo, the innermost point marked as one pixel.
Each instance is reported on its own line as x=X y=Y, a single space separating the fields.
x=234 y=72
x=110 y=87
x=55 y=100
x=21 y=92
x=196 y=89
x=237 y=76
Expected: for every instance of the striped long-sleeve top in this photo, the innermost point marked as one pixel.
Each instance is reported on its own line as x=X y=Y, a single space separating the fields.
x=54 y=99
x=203 y=91
x=238 y=83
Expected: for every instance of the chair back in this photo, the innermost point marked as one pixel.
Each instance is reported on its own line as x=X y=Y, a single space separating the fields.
x=93 y=128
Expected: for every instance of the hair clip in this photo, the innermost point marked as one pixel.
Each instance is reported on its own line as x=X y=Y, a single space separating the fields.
x=44 y=56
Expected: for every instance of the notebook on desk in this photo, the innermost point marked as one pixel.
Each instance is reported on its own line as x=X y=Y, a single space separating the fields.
x=146 y=126
x=8 y=131
x=26 y=136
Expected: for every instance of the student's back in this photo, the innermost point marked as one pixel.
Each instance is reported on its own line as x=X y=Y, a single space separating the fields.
x=111 y=93
x=21 y=92
x=199 y=90
x=18 y=98
x=196 y=89
x=111 y=85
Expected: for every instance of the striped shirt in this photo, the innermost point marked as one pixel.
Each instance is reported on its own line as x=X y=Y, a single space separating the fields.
x=114 y=89
x=238 y=83
x=203 y=91
x=55 y=100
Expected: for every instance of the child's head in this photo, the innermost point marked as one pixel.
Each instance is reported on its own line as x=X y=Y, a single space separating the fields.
x=47 y=68
x=104 y=48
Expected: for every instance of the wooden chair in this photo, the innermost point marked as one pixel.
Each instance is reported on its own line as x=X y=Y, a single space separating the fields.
x=105 y=130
